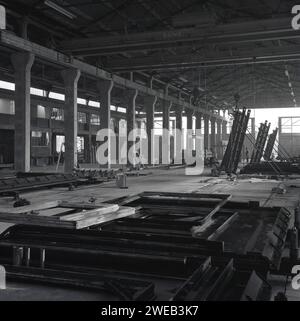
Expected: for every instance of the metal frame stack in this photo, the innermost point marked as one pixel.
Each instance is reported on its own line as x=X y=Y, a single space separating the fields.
x=236 y=139
x=130 y=257
x=260 y=142
x=270 y=145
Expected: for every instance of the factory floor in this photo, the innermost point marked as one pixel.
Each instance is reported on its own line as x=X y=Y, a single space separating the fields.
x=171 y=180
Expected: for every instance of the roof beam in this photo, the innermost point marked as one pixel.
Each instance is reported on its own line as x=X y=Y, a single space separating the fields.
x=16 y=43
x=207 y=59
x=256 y=30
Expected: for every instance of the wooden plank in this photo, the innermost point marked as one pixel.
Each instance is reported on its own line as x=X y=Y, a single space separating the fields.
x=182 y=199
x=56 y=211
x=33 y=207
x=98 y=219
x=82 y=205
x=130 y=199
x=27 y=217
x=94 y=215
x=198 y=196
x=46 y=221
x=96 y=211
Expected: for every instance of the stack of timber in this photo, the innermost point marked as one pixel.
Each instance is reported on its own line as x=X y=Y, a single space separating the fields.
x=65 y=214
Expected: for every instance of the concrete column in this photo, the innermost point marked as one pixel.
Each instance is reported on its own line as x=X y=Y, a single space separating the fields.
x=178 y=126
x=130 y=115
x=117 y=131
x=150 y=102
x=70 y=77
x=88 y=139
x=167 y=105
x=166 y=147
x=224 y=130
x=213 y=135
x=206 y=132
x=22 y=63
x=198 y=120
x=198 y=126
x=104 y=88
x=219 y=140
x=178 y=115
x=189 y=117
x=189 y=140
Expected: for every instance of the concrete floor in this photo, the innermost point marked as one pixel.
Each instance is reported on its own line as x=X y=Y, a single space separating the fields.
x=174 y=180
x=171 y=180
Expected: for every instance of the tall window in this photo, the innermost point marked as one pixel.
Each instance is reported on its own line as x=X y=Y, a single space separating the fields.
x=81 y=117
x=95 y=119
x=290 y=125
x=57 y=114
x=39 y=138
x=7 y=106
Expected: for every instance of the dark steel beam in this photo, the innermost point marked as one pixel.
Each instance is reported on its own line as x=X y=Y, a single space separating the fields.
x=208 y=59
x=256 y=30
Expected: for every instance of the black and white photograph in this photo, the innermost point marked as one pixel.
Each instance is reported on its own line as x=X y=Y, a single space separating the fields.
x=149 y=154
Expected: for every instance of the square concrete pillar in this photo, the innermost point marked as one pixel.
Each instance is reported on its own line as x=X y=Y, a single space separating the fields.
x=22 y=63
x=178 y=135
x=224 y=130
x=219 y=153
x=189 y=133
x=88 y=139
x=150 y=102
x=198 y=120
x=206 y=132
x=166 y=144
x=130 y=116
x=178 y=116
x=189 y=117
x=167 y=105
x=104 y=88
x=70 y=77
x=213 y=145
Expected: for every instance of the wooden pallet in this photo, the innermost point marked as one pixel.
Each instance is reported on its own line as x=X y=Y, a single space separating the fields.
x=65 y=214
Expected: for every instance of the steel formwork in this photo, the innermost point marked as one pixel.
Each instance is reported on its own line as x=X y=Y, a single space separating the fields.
x=270 y=145
x=236 y=139
x=260 y=142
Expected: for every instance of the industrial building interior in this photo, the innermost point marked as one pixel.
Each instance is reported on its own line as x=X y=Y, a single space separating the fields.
x=223 y=74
